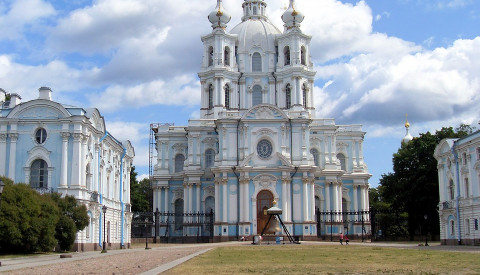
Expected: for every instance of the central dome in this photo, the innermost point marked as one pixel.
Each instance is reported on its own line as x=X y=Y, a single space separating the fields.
x=256 y=33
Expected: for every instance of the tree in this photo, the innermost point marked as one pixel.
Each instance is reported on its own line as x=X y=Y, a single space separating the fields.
x=74 y=217
x=27 y=219
x=140 y=193
x=413 y=186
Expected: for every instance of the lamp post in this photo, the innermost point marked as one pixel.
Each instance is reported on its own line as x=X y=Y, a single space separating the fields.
x=104 y=209
x=146 y=234
x=426 y=229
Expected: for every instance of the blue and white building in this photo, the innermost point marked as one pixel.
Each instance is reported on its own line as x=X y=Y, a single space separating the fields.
x=257 y=139
x=459 y=189
x=59 y=148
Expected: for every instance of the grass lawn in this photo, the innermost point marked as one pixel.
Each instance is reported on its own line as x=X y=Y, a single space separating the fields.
x=322 y=259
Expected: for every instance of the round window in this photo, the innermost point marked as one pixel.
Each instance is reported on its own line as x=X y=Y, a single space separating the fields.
x=264 y=149
x=40 y=135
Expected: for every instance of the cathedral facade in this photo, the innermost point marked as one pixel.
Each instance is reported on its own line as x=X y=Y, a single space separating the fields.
x=257 y=139
x=66 y=149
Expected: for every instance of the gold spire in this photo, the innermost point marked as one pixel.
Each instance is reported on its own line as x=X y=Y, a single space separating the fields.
x=407 y=124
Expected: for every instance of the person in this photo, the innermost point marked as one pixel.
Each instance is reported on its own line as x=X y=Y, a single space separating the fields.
x=341 y=238
x=346 y=240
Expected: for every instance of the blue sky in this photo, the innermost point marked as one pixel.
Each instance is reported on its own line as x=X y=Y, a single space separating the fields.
x=136 y=60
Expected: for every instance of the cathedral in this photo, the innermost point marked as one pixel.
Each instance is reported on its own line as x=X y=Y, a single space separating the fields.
x=257 y=141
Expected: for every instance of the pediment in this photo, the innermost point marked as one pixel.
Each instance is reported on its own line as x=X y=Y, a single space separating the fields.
x=265 y=112
x=39 y=109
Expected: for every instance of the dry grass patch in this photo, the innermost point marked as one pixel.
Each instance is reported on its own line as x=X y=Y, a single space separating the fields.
x=309 y=259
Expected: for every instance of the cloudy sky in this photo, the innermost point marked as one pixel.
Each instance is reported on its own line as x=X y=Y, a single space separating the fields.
x=136 y=60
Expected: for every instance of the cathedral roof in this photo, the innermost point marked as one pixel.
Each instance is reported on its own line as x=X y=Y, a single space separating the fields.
x=256 y=33
x=292 y=17
x=219 y=16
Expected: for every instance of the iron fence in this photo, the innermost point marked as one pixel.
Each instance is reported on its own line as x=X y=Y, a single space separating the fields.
x=173 y=227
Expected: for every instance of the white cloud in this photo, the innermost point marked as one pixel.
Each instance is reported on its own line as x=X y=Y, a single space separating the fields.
x=136 y=53
x=16 y=17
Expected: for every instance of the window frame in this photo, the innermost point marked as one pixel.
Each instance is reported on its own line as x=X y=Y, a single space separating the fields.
x=288 y=96
x=41 y=135
x=256 y=62
x=41 y=178
x=177 y=166
x=209 y=158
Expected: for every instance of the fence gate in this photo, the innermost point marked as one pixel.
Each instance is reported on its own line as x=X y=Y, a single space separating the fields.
x=173 y=227
x=332 y=223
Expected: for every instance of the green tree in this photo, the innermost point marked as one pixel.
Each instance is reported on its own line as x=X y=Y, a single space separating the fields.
x=74 y=217
x=27 y=220
x=140 y=193
x=413 y=186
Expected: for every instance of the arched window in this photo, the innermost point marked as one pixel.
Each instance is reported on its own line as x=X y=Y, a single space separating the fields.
x=209 y=158
x=452 y=228
x=179 y=161
x=227 y=97
x=451 y=190
x=315 y=155
x=210 y=56
x=303 y=56
x=344 y=210
x=39 y=174
x=210 y=97
x=254 y=10
x=257 y=95
x=341 y=158
x=40 y=135
x=256 y=62
x=304 y=91
x=227 y=56
x=209 y=204
x=286 y=55
x=288 y=97
x=179 y=214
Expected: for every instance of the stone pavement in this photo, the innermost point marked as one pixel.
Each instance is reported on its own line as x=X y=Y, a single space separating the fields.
x=155 y=260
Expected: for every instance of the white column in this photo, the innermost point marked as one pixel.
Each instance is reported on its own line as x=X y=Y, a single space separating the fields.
x=289 y=209
x=198 y=184
x=13 y=154
x=225 y=199
x=185 y=197
x=3 y=155
x=217 y=201
x=246 y=204
x=155 y=191
x=166 y=209
x=242 y=201
x=284 y=199
x=355 y=195
x=83 y=165
x=312 y=201
x=305 y=200
x=335 y=199
x=190 y=197
x=327 y=196
x=63 y=176
x=76 y=160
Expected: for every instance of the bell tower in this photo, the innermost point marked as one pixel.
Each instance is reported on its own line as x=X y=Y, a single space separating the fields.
x=294 y=68
x=219 y=71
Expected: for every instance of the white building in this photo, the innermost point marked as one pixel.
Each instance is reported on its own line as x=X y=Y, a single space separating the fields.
x=257 y=139
x=66 y=149
x=459 y=183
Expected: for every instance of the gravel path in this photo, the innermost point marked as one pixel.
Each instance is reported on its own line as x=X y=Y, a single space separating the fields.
x=130 y=262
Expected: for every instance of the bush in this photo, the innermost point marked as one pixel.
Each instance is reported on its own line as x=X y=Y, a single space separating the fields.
x=27 y=220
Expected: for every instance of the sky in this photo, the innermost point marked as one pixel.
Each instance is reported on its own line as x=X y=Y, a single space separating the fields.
x=137 y=62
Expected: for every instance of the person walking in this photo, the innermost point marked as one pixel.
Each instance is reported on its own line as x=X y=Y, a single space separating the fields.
x=346 y=239
x=341 y=238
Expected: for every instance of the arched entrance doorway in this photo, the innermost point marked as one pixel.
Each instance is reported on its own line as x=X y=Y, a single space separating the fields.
x=264 y=202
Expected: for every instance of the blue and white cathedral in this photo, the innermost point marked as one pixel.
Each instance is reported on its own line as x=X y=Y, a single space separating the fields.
x=257 y=139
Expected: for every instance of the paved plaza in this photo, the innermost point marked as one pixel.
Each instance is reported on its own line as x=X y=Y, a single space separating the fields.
x=153 y=261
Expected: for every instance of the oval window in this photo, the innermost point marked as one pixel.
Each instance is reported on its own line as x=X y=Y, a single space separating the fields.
x=264 y=149
x=40 y=135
